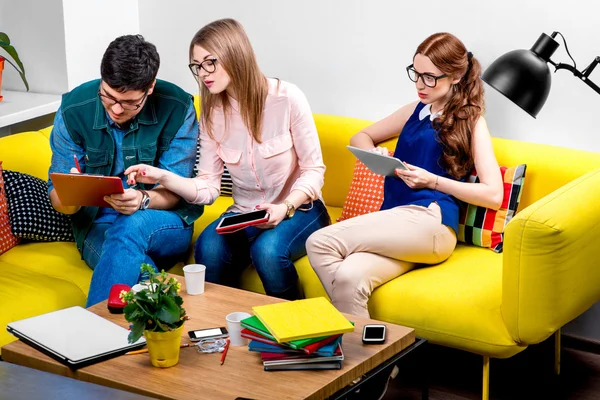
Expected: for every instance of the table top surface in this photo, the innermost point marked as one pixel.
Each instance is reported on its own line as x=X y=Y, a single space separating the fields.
x=241 y=375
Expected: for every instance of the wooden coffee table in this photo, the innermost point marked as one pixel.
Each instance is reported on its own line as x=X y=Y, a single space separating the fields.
x=200 y=375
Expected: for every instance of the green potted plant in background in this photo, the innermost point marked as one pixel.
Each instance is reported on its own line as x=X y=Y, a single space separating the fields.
x=12 y=52
x=156 y=312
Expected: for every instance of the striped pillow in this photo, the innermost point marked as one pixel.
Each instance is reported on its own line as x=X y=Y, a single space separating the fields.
x=484 y=227
x=226 y=182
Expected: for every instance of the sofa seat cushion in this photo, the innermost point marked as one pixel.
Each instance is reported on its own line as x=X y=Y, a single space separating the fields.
x=26 y=293
x=456 y=303
x=59 y=260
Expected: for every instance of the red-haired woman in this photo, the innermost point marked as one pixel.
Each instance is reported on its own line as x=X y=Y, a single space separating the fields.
x=442 y=137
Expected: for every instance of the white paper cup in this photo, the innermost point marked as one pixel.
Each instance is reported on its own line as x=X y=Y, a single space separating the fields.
x=141 y=286
x=194 y=278
x=235 y=329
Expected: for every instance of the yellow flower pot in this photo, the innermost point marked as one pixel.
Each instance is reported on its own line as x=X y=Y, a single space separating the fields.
x=163 y=347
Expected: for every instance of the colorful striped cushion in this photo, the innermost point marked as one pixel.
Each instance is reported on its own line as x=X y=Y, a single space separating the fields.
x=484 y=227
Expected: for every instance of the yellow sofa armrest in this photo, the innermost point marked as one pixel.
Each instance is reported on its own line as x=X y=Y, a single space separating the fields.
x=550 y=275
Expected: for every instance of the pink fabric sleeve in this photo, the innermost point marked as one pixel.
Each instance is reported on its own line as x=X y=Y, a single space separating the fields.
x=306 y=144
x=210 y=170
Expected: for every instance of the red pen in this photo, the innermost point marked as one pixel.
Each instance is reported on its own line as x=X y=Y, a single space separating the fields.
x=225 y=351
x=77 y=163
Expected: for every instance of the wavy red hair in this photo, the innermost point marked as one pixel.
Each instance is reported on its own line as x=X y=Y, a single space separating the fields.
x=462 y=111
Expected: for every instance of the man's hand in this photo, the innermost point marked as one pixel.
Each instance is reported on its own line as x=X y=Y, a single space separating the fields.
x=126 y=203
x=277 y=213
x=57 y=205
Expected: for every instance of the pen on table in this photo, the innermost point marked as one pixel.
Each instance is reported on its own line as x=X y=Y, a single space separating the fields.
x=77 y=163
x=146 y=350
x=225 y=351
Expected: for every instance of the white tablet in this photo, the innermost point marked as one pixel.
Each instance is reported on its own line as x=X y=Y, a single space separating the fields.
x=378 y=163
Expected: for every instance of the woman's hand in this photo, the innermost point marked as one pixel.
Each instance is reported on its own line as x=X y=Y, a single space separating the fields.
x=126 y=203
x=277 y=213
x=416 y=178
x=381 y=150
x=142 y=173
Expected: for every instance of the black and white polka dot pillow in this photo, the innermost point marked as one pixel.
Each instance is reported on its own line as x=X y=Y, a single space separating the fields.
x=30 y=211
x=226 y=182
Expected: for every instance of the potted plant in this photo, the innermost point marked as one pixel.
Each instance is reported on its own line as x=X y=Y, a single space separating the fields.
x=12 y=52
x=156 y=312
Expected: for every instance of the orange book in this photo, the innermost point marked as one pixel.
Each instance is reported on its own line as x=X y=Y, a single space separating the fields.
x=85 y=190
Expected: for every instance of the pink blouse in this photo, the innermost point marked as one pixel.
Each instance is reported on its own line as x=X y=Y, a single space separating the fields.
x=289 y=157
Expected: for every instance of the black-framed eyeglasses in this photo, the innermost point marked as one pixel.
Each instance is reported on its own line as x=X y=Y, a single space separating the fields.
x=428 y=79
x=130 y=105
x=209 y=66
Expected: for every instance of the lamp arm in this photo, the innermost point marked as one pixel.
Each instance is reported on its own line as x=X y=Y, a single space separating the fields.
x=581 y=75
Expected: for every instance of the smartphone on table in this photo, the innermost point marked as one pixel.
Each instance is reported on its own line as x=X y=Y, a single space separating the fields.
x=234 y=223
x=209 y=333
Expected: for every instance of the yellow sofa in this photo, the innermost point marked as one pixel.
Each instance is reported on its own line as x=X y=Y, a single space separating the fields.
x=490 y=304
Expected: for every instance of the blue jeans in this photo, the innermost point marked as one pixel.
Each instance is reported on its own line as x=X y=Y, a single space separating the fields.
x=272 y=251
x=116 y=251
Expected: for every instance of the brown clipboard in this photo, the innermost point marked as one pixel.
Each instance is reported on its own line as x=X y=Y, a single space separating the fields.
x=85 y=190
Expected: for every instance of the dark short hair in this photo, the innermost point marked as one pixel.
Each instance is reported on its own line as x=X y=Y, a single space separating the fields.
x=129 y=63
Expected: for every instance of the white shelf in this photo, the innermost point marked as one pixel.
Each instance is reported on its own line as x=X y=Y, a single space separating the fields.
x=22 y=106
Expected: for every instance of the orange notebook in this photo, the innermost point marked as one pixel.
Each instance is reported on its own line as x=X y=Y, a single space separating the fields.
x=85 y=190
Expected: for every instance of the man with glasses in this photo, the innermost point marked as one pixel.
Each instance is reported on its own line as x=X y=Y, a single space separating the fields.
x=125 y=118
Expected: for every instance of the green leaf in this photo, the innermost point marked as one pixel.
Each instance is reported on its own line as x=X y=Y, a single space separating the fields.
x=169 y=311
x=137 y=330
x=178 y=300
x=5 y=44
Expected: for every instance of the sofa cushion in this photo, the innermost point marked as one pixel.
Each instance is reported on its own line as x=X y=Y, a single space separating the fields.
x=7 y=239
x=31 y=213
x=25 y=293
x=59 y=260
x=456 y=303
x=366 y=192
x=484 y=227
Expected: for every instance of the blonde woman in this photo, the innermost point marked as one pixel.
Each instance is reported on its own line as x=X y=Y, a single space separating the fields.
x=263 y=131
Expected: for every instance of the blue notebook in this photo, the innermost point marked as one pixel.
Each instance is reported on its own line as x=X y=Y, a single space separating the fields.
x=325 y=351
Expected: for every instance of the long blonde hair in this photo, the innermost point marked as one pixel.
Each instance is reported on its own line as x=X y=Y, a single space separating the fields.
x=226 y=39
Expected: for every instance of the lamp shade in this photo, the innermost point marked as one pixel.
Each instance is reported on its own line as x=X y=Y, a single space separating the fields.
x=523 y=75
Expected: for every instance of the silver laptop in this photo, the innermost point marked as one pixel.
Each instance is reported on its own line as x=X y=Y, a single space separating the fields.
x=74 y=336
x=378 y=163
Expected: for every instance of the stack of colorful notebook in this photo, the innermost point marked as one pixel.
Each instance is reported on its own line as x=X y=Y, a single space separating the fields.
x=297 y=335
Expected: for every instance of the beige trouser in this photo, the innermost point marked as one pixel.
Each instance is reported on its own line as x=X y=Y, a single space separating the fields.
x=353 y=257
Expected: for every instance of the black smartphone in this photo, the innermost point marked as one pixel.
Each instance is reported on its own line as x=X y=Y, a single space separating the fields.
x=374 y=334
x=210 y=333
x=241 y=221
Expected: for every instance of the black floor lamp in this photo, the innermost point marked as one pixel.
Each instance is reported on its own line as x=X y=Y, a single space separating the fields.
x=524 y=76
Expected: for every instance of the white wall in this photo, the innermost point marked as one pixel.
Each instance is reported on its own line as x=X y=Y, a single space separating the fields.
x=36 y=30
x=90 y=26
x=349 y=56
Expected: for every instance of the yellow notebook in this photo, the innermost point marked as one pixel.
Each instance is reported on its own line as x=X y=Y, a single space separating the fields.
x=302 y=319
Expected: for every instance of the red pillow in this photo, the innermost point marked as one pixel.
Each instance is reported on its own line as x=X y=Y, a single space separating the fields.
x=366 y=192
x=7 y=239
